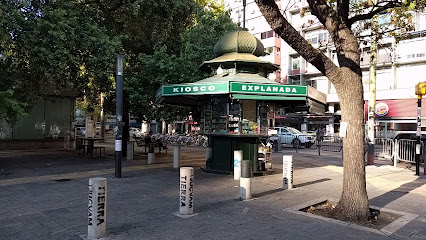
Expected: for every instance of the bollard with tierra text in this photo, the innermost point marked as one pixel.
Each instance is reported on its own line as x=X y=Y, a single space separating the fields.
x=245 y=180
x=97 y=208
x=176 y=156
x=287 y=172
x=186 y=191
x=238 y=156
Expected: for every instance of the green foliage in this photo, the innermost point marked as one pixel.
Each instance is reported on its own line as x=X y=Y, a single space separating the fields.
x=164 y=68
x=11 y=109
x=54 y=46
x=216 y=7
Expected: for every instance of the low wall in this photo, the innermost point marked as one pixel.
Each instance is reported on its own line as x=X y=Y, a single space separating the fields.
x=28 y=144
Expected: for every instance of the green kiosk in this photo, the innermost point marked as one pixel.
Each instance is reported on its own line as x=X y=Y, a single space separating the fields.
x=238 y=103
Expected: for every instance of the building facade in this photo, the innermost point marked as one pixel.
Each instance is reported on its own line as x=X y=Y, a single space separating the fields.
x=399 y=67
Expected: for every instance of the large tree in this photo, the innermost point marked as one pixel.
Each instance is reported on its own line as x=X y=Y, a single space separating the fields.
x=337 y=18
x=48 y=47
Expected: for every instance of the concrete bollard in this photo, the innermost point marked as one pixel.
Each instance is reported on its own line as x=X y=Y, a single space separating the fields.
x=130 y=150
x=151 y=158
x=151 y=153
x=287 y=172
x=245 y=180
x=176 y=156
x=238 y=156
x=186 y=191
x=97 y=208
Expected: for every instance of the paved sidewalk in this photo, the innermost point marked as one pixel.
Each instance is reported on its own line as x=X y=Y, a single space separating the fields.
x=43 y=195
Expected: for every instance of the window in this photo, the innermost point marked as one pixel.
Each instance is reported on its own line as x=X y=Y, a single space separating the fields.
x=316 y=38
x=269 y=50
x=311 y=82
x=267 y=34
x=295 y=64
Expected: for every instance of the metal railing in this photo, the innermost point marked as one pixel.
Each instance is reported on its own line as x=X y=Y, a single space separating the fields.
x=384 y=147
x=405 y=150
x=330 y=143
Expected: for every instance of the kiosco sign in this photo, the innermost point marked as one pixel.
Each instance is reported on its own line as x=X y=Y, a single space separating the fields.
x=234 y=87
x=195 y=89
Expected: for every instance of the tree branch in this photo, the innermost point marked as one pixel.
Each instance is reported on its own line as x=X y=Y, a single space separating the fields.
x=292 y=37
x=371 y=14
x=343 y=11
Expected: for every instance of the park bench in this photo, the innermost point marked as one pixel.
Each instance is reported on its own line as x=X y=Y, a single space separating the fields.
x=160 y=145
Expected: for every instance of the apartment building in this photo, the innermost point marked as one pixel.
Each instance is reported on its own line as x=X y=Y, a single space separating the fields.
x=400 y=66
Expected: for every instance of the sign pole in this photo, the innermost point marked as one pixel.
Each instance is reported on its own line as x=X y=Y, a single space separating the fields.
x=118 y=115
x=418 y=133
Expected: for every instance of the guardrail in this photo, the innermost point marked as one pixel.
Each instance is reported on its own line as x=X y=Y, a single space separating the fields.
x=330 y=143
x=384 y=147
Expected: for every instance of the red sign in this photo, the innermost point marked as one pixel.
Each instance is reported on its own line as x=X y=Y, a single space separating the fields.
x=397 y=108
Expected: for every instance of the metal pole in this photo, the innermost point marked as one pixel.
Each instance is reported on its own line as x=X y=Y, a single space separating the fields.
x=418 y=133
x=244 y=13
x=118 y=115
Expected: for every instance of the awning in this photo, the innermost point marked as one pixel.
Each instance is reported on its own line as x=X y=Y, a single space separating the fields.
x=260 y=97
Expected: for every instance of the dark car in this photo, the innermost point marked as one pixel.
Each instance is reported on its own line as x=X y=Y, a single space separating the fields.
x=409 y=136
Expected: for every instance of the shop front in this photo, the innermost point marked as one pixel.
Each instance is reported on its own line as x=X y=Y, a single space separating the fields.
x=395 y=116
x=238 y=103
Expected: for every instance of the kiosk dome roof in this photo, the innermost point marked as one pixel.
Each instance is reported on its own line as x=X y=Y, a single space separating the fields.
x=238 y=47
x=238 y=42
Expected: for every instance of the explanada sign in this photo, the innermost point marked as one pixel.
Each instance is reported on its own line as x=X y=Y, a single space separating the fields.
x=268 y=89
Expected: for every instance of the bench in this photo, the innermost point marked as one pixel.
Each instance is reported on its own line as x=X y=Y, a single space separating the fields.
x=159 y=145
x=101 y=149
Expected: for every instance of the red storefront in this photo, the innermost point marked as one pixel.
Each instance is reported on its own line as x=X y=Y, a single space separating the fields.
x=393 y=116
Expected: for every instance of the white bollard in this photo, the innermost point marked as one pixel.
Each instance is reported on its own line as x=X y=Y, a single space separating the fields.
x=176 y=156
x=130 y=150
x=97 y=208
x=186 y=191
x=238 y=156
x=287 y=172
x=245 y=180
x=151 y=158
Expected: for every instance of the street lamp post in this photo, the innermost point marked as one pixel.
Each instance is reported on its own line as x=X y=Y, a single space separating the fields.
x=118 y=114
x=420 y=90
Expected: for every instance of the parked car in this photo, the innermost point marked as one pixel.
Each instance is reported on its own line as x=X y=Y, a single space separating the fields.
x=135 y=132
x=80 y=131
x=289 y=135
x=409 y=136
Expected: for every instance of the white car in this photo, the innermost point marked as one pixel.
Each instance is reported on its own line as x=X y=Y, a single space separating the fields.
x=135 y=132
x=289 y=135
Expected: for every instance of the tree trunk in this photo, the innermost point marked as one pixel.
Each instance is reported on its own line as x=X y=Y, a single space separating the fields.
x=347 y=79
x=353 y=204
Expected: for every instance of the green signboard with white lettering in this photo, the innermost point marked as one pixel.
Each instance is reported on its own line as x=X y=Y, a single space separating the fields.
x=195 y=89
x=275 y=89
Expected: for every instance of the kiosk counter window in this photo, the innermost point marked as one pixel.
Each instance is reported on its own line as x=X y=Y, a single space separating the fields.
x=227 y=116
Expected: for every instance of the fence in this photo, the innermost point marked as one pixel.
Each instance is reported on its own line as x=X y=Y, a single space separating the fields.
x=331 y=143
